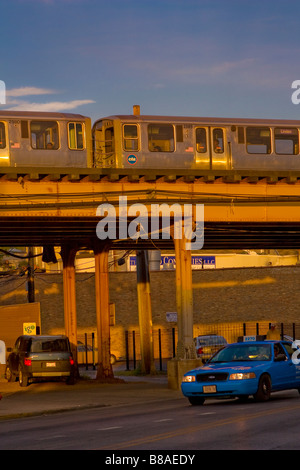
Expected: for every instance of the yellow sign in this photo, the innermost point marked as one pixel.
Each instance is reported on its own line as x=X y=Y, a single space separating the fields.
x=29 y=328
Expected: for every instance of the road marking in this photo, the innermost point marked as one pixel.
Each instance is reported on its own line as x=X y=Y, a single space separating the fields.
x=162 y=420
x=58 y=436
x=201 y=427
x=108 y=429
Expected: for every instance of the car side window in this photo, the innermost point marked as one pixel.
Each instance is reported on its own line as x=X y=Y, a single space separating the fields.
x=17 y=344
x=290 y=350
x=278 y=349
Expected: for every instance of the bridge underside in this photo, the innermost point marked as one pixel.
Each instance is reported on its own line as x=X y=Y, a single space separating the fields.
x=56 y=231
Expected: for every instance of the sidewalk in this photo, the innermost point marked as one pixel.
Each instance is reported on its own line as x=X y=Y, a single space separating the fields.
x=52 y=397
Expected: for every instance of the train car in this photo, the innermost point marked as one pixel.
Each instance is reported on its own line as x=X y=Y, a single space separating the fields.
x=39 y=139
x=140 y=141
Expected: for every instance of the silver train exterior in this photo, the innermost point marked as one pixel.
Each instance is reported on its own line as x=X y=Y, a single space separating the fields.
x=140 y=141
x=39 y=139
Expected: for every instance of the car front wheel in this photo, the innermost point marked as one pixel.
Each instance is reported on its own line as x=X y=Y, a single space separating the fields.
x=196 y=401
x=264 y=389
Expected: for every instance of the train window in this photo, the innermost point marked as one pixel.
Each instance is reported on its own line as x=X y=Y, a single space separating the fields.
x=2 y=136
x=44 y=135
x=24 y=130
x=161 y=138
x=258 y=140
x=286 y=141
x=109 y=141
x=241 y=135
x=130 y=137
x=218 y=140
x=179 y=133
x=201 y=142
x=76 y=135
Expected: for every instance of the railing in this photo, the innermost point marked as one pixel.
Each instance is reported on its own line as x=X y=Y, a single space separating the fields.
x=165 y=341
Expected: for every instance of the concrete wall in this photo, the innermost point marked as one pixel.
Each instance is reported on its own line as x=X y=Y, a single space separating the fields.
x=220 y=296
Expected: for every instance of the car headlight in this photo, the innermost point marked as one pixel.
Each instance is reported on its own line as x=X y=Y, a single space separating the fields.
x=242 y=376
x=189 y=378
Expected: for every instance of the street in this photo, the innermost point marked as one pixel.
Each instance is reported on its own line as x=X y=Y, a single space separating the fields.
x=172 y=425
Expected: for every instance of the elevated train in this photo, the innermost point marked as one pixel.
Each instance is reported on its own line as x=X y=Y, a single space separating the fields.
x=138 y=141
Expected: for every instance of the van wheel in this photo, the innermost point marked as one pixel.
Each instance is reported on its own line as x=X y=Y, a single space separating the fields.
x=9 y=375
x=23 y=378
x=264 y=389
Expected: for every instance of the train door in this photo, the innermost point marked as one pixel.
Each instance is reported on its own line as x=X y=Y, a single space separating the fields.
x=104 y=143
x=4 y=148
x=219 y=149
x=211 y=148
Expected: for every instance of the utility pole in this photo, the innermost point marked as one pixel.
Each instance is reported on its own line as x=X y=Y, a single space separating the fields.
x=30 y=276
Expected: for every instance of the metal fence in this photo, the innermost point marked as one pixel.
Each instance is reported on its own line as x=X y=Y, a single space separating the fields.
x=165 y=341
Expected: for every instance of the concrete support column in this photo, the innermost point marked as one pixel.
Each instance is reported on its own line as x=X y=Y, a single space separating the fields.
x=184 y=300
x=145 y=312
x=104 y=370
x=68 y=253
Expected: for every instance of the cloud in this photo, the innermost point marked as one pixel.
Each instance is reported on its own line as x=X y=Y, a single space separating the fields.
x=29 y=91
x=52 y=106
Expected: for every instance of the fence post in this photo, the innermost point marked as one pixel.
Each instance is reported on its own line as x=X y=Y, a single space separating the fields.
x=127 y=350
x=159 y=348
x=173 y=341
x=282 y=332
x=93 y=350
x=294 y=331
x=86 y=352
x=133 y=347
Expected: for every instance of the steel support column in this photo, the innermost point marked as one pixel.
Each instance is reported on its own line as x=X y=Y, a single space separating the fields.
x=104 y=369
x=184 y=300
x=145 y=312
x=68 y=253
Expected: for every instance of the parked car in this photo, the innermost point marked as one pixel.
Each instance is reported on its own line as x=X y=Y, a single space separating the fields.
x=207 y=345
x=245 y=368
x=40 y=357
x=86 y=353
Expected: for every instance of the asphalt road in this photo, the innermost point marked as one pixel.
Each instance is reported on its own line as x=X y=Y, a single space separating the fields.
x=171 y=425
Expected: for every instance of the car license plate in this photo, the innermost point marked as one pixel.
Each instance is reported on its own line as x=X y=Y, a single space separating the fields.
x=209 y=388
x=50 y=364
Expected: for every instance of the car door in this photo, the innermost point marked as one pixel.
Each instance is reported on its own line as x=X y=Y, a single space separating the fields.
x=284 y=370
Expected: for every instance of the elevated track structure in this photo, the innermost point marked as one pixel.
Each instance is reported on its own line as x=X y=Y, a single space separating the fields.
x=58 y=207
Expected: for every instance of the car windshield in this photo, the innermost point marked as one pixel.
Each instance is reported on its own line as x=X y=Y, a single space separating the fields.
x=243 y=352
x=49 y=345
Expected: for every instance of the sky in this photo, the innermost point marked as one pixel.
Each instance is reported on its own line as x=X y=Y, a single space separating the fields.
x=217 y=58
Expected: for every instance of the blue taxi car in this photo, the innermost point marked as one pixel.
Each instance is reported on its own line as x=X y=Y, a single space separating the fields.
x=245 y=368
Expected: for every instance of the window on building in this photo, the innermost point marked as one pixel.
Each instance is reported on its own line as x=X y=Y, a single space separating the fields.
x=286 y=141
x=161 y=138
x=44 y=135
x=2 y=136
x=258 y=140
x=130 y=137
x=76 y=135
x=201 y=141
